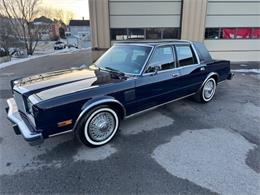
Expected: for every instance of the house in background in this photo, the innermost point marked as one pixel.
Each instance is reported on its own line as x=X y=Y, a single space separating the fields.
x=78 y=33
x=79 y=28
x=48 y=29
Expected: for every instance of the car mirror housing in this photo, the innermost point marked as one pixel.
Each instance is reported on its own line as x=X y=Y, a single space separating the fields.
x=153 y=69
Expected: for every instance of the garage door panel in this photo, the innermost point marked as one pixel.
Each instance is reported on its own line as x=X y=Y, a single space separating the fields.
x=145 y=8
x=229 y=8
x=233 y=21
x=144 y=21
x=233 y=45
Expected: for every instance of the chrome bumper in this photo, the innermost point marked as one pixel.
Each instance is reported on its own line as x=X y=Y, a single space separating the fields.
x=230 y=76
x=20 y=127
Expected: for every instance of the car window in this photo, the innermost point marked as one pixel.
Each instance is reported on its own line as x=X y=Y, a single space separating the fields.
x=125 y=58
x=118 y=56
x=185 y=55
x=162 y=57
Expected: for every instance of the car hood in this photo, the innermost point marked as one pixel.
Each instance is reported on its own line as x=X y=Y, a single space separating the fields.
x=58 y=83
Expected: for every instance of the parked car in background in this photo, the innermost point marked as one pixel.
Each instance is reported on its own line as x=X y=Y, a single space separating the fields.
x=128 y=79
x=59 y=45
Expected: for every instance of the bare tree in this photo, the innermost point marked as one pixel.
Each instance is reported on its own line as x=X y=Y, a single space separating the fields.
x=21 y=14
x=6 y=34
x=58 y=14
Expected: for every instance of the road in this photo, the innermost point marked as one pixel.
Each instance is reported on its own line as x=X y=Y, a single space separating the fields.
x=181 y=148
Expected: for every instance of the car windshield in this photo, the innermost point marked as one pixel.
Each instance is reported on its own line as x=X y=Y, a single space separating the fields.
x=128 y=59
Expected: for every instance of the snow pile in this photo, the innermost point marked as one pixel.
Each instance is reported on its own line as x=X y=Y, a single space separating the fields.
x=256 y=71
x=50 y=52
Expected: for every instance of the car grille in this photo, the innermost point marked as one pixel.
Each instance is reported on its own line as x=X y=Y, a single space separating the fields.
x=19 y=102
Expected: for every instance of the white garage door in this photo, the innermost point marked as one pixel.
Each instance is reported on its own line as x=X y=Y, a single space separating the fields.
x=233 y=29
x=137 y=13
x=144 y=19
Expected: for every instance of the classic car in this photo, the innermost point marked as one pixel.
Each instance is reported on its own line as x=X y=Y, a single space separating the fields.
x=129 y=78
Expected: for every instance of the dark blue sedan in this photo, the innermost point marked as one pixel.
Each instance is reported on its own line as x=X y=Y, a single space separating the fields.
x=128 y=79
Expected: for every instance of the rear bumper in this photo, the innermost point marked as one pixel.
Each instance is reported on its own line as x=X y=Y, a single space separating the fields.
x=19 y=125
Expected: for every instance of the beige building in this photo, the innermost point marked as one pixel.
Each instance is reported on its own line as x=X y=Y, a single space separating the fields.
x=230 y=29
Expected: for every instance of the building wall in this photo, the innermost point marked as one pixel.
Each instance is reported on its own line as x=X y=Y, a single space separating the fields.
x=75 y=30
x=99 y=22
x=194 y=17
x=233 y=14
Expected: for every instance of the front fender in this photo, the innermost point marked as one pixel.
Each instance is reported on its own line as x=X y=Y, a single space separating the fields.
x=96 y=102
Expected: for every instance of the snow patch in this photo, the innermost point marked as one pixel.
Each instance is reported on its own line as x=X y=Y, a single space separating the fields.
x=47 y=53
x=211 y=158
x=257 y=71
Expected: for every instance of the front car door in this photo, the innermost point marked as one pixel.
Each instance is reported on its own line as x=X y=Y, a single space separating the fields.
x=152 y=88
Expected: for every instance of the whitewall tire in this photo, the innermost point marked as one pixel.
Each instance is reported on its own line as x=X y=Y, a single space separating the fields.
x=98 y=126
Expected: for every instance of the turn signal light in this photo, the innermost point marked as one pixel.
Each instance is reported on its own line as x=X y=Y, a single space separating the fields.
x=64 y=123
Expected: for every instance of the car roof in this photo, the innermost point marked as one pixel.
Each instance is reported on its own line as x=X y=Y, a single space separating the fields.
x=154 y=43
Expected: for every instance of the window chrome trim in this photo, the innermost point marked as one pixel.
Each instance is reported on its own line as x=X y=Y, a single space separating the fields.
x=155 y=47
x=190 y=43
x=147 y=60
x=134 y=43
x=195 y=51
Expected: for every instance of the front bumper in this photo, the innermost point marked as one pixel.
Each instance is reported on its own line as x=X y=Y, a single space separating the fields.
x=20 y=126
x=230 y=76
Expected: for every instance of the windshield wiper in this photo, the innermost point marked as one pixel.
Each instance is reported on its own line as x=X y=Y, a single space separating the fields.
x=107 y=68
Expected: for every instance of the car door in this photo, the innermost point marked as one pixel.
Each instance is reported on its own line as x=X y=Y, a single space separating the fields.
x=156 y=87
x=192 y=73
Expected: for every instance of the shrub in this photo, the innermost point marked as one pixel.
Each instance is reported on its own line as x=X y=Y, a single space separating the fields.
x=3 y=52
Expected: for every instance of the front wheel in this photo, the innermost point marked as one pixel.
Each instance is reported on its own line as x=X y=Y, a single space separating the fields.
x=98 y=126
x=207 y=92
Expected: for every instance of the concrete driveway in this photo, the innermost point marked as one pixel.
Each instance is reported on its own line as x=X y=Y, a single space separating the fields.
x=181 y=148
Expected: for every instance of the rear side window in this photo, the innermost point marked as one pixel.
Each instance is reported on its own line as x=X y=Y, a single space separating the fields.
x=185 y=55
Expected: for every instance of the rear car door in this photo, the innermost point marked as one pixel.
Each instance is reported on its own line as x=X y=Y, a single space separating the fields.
x=192 y=72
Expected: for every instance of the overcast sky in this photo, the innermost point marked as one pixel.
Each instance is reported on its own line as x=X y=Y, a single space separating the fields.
x=78 y=7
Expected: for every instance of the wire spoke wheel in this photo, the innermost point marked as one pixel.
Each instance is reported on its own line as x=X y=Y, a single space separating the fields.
x=101 y=126
x=209 y=90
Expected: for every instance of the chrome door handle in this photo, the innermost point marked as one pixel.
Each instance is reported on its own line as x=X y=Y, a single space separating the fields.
x=202 y=68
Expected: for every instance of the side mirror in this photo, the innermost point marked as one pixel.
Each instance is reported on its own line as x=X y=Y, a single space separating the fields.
x=153 y=69
x=156 y=69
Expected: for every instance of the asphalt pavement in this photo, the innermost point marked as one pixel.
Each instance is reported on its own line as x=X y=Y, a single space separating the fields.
x=181 y=148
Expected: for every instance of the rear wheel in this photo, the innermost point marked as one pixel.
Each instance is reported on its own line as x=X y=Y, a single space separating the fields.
x=207 y=91
x=98 y=126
